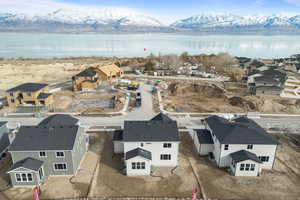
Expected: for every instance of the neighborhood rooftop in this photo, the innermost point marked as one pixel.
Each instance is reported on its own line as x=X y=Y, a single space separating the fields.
x=138 y=152
x=28 y=87
x=243 y=155
x=238 y=131
x=87 y=72
x=37 y=138
x=204 y=136
x=27 y=163
x=59 y=120
x=157 y=129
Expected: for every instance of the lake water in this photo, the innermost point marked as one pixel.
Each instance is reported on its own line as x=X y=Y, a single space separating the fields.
x=14 y=45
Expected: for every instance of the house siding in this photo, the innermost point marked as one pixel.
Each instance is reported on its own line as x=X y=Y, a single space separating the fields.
x=35 y=179
x=237 y=172
x=138 y=172
x=259 y=150
x=48 y=161
x=156 y=149
x=80 y=148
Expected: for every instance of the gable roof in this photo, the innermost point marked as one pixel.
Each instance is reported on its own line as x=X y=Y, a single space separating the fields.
x=161 y=117
x=152 y=130
x=243 y=155
x=28 y=87
x=42 y=138
x=138 y=152
x=118 y=135
x=2 y=123
x=27 y=163
x=87 y=72
x=110 y=69
x=238 y=131
x=44 y=95
x=59 y=120
x=271 y=76
x=4 y=142
x=204 y=136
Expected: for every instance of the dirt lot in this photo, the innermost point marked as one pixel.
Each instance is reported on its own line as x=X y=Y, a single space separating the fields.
x=98 y=101
x=201 y=97
x=111 y=182
x=282 y=183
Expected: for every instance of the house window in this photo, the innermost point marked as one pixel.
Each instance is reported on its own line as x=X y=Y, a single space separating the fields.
x=60 y=167
x=138 y=165
x=167 y=145
x=41 y=173
x=11 y=94
x=247 y=167
x=226 y=147
x=24 y=177
x=43 y=154
x=28 y=94
x=142 y=144
x=60 y=154
x=250 y=146
x=12 y=100
x=252 y=167
x=242 y=167
x=18 y=178
x=165 y=157
x=264 y=158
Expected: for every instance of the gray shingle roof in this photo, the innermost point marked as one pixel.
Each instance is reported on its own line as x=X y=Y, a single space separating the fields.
x=39 y=138
x=28 y=163
x=4 y=142
x=138 y=152
x=87 y=72
x=150 y=131
x=118 y=135
x=2 y=123
x=243 y=155
x=161 y=117
x=44 y=95
x=239 y=131
x=59 y=120
x=204 y=136
x=28 y=87
x=271 y=76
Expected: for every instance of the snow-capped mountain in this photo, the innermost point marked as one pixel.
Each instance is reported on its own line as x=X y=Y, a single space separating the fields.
x=236 y=22
x=77 y=19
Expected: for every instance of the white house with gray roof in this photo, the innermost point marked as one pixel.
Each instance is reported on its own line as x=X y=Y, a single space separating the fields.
x=148 y=143
x=49 y=149
x=240 y=145
x=6 y=138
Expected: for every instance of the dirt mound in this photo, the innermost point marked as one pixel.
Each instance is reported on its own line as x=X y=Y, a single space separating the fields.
x=240 y=102
x=208 y=91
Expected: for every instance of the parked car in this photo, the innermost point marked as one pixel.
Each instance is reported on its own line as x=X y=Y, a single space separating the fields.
x=138 y=102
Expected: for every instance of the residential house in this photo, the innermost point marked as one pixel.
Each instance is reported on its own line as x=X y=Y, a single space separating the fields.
x=240 y=145
x=108 y=72
x=268 y=81
x=6 y=138
x=146 y=144
x=34 y=94
x=86 y=80
x=48 y=149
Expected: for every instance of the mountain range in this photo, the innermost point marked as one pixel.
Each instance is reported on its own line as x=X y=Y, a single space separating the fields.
x=82 y=20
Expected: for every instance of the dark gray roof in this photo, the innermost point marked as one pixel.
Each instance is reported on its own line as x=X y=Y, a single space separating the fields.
x=204 y=136
x=274 y=88
x=2 y=123
x=243 y=155
x=28 y=87
x=239 y=131
x=161 y=117
x=4 y=142
x=37 y=138
x=87 y=72
x=44 y=95
x=59 y=120
x=271 y=76
x=28 y=163
x=138 y=152
x=151 y=131
x=118 y=135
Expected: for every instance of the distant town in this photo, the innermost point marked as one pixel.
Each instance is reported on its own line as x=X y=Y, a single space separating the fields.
x=158 y=127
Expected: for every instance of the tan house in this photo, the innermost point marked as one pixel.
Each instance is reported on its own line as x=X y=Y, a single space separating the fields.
x=85 y=80
x=109 y=72
x=35 y=94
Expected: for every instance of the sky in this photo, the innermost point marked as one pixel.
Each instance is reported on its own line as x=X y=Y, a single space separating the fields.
x=165 y=10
